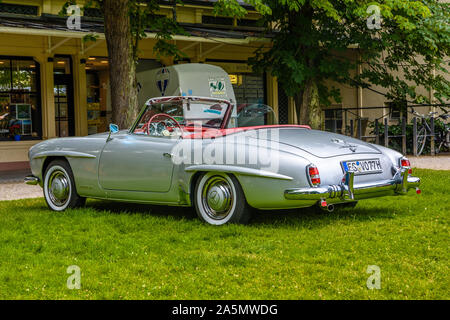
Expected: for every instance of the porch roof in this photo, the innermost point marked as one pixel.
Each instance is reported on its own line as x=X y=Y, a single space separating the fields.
x=52 y=25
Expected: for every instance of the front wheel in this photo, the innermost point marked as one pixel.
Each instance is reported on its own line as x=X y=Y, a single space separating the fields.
x=219 y=199
x=59 y=187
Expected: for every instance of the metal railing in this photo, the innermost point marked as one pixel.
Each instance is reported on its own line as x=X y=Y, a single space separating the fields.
x=350 y=122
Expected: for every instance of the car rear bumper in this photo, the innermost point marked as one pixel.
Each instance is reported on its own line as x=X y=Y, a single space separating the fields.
x=347 y=191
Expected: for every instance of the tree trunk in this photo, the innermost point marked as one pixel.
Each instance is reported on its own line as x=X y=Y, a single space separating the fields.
x=122 y=65
x=307 y=106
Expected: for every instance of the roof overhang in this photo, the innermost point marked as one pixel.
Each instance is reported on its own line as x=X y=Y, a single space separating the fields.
x=151 y=35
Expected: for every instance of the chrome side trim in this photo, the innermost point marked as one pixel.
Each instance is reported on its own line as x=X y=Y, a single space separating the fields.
x=62 y=153
x=239 y=170
x=31 y=180
x=347 y=191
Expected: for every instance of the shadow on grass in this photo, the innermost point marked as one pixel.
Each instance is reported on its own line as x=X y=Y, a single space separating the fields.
x=318 y=217
x=312 y=217
x=143 y=209
x=259 y=218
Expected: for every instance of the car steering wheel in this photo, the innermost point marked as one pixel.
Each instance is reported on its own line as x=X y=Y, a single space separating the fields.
x=160 y=126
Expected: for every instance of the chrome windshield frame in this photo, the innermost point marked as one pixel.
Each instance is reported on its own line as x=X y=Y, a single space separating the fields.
x=225 y=120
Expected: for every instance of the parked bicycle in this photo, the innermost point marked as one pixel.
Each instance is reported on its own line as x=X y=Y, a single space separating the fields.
x=424 y=131
x=443 y=137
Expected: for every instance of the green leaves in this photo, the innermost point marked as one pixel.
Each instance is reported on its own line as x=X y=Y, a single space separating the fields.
x=313 y=41
x=229 y=8
x=90 y=37
x=144 y=16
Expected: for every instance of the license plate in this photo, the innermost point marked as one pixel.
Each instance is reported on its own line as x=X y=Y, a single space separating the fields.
x=362 y=166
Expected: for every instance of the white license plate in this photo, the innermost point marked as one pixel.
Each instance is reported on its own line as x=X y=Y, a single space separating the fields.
x=363 y=166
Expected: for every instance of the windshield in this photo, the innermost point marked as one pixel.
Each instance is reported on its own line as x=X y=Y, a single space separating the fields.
x=187 y=112
x=255 y=114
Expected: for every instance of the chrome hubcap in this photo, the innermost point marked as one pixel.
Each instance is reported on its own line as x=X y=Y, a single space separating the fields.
x=217 y=197
x=58 y=188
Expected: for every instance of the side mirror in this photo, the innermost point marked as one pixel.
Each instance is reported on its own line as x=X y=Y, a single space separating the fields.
x=113 y=128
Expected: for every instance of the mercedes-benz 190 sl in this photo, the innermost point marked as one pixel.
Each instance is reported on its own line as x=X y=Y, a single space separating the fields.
x=187 y=151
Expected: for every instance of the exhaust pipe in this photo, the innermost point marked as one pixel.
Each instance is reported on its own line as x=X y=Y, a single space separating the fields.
x=326 y=207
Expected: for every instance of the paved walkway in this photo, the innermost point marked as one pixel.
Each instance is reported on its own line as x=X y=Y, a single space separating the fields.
x=12 y=186
x=14 y=175
x=19 y=190
x=428 y=162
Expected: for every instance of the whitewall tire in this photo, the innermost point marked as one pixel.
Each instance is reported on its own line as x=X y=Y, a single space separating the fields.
x=219 y=199
x=60 y=191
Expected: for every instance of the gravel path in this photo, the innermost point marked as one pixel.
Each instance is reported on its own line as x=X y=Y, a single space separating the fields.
x=19 y=190
x=12 y=186
x=428 y=162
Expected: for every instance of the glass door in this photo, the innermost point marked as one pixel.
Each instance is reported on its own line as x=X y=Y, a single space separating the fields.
x=63 y=91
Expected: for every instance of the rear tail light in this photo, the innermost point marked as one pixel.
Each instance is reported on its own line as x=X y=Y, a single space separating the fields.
x=404 y=163
x=314 y=176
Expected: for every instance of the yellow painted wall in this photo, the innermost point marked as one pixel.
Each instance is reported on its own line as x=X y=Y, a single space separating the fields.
x=15 y=150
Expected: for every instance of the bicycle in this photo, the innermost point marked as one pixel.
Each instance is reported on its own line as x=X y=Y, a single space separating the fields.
x=425 y=131
x=443 y=137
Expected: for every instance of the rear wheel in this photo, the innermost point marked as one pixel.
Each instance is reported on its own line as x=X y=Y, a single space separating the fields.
x=219 y=199
x=59 y=187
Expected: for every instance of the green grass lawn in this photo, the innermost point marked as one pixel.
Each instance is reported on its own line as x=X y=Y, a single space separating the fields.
x=140 y=252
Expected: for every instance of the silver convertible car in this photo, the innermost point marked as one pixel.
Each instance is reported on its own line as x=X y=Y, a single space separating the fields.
x=191 y=151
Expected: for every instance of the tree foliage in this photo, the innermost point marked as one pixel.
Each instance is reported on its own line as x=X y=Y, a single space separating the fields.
x=311 y=41
x=126 y=24
x=143 y=15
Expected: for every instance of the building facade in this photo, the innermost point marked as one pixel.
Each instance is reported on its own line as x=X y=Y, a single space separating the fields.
x=54 y=84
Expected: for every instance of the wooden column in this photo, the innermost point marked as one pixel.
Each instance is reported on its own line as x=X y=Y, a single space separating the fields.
x=377 y=131
x=415 y=136
x=433 y=151
x=386 y=132
x=404 y=135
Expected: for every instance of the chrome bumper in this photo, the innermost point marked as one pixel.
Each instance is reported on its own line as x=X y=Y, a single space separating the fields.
x=347 y=191
x=32 y=180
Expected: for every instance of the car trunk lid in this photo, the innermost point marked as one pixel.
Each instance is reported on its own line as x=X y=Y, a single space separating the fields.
x=323 y=144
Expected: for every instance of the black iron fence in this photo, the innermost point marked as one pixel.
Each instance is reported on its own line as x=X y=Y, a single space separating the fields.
x=385 y=126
